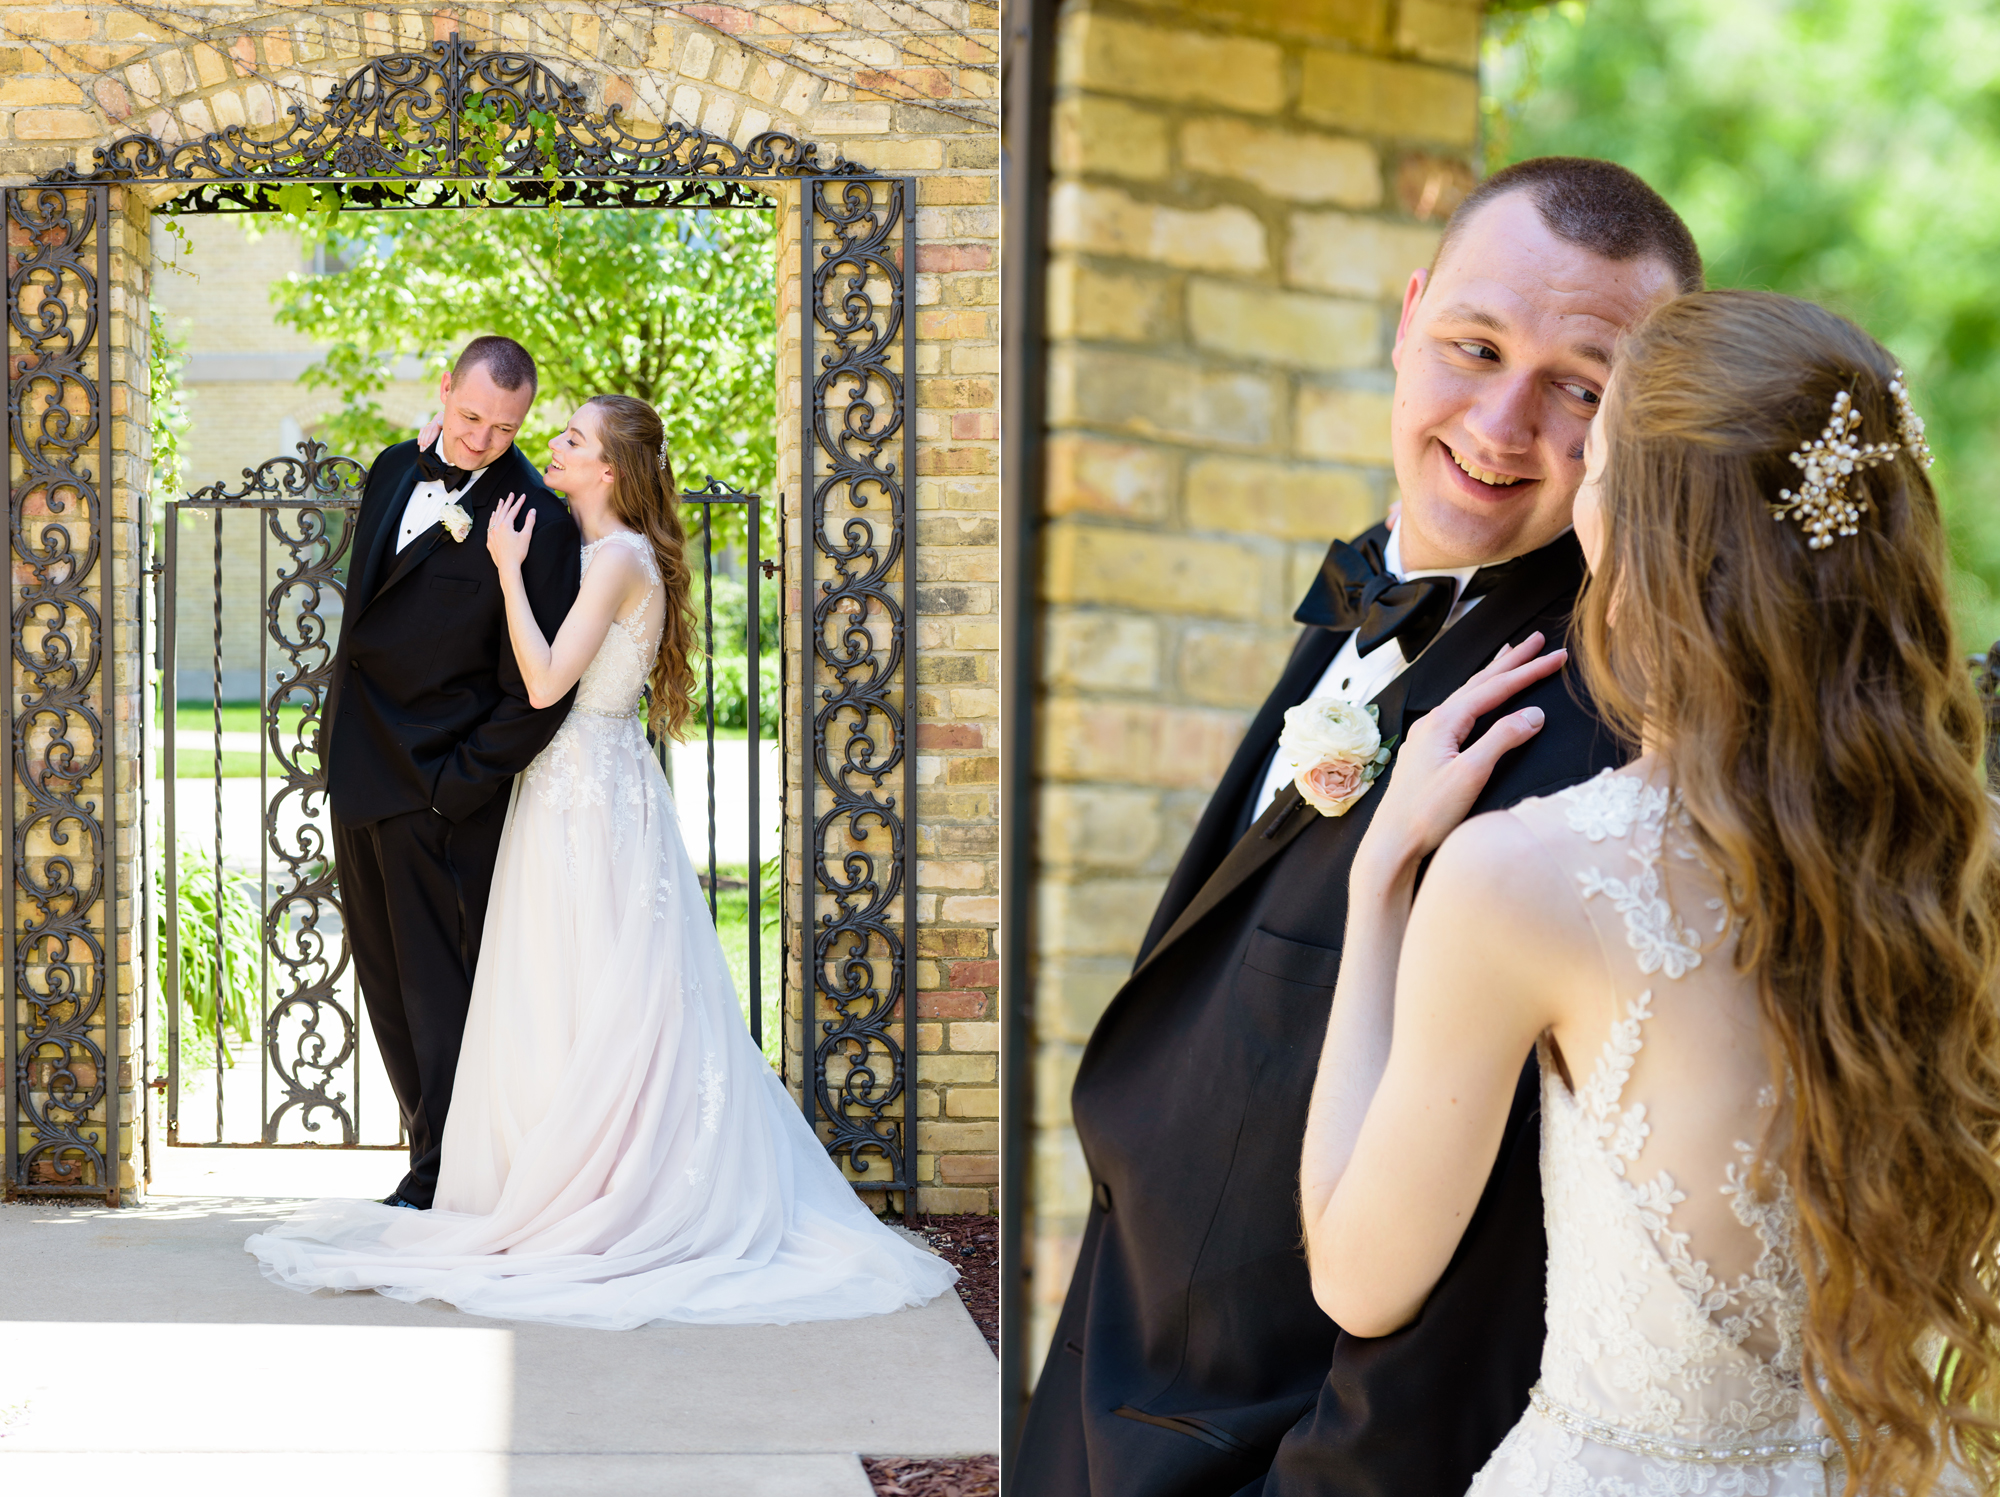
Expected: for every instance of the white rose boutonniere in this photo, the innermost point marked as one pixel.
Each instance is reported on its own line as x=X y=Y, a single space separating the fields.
x=1335 y=750
x=457 y=523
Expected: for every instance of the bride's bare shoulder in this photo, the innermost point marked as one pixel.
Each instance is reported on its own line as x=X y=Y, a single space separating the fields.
x=1505 y=887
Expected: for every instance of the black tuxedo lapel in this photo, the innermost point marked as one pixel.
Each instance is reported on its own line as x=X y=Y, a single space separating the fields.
x=1459 y=653
x=474 y=501
x=407 y=559
x=1214 y=834
x=381 y=542
x=1269 y=835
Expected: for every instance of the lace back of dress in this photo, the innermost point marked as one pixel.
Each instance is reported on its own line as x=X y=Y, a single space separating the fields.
x=1653 y=1155
x=615 y=678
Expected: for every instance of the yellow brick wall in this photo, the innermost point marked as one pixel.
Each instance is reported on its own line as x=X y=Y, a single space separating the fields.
x=1241 y=189
x=900 y=89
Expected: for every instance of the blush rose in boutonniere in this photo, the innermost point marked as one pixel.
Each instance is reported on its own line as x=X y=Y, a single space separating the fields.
x=1335 y=751
x=457 y=523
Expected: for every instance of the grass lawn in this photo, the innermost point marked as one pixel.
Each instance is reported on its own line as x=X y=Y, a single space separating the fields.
x=732 y=923
x=237 y=717
x=198 y=718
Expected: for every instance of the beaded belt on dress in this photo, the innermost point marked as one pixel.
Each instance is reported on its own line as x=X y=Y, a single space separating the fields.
x=600 y=712
x=1750 y=1452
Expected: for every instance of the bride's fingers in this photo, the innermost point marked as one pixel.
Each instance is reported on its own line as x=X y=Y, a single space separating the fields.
x=1510 y=656
x=1482 y=694
x=1510 y=732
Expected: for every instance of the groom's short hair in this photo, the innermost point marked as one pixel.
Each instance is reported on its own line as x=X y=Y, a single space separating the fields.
x=506 y=362
x=1596 y=205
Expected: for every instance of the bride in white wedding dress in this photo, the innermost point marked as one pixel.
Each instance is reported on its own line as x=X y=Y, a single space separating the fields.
x=1759 y=965
x=617 y=1153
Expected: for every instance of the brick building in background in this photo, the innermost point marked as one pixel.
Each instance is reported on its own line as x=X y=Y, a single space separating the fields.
x=1213 y=210
x=902 y=90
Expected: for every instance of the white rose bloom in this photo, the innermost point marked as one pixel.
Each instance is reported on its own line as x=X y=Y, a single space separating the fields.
x=1325 y=728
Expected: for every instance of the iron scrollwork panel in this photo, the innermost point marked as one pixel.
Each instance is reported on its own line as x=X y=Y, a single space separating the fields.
x=860 y=779
x=310 y=1036
x=500 y=126
x=61 y=1023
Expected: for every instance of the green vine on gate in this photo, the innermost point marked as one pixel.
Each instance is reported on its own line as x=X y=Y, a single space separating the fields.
x=487 y=132
x=166 y=404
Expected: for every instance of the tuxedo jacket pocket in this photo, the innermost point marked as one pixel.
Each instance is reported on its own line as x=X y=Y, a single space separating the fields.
x=1294 y=961
x=1284 y=988
x=463 y=587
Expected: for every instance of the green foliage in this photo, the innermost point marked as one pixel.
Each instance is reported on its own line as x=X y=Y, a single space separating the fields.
x=1842 y=150
x=732 y=695
x=209 y=966
x=677 y=308
x=732 y=925
x=166 y=408
x=732 y=608
x=732 y=664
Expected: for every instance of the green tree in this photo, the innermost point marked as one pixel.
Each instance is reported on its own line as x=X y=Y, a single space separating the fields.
x=674 y=307
x=1842 y=150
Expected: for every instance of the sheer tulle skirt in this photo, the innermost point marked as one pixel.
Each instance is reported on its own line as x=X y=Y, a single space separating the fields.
x=618 y=1152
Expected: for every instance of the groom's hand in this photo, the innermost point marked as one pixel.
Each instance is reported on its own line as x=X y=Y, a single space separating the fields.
x=506 y=545
x=1437 y=774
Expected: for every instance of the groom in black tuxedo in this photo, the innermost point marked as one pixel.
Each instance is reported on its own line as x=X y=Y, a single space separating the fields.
x=1190 y=1359
x=428 y=722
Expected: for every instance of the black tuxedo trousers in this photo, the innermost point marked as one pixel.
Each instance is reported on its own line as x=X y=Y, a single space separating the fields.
x=1190 y=1359
x=428 y=722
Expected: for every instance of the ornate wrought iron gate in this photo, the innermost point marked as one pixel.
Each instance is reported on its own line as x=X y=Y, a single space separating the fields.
x=398 y=134
x=316 y=1081
x=307 y=1027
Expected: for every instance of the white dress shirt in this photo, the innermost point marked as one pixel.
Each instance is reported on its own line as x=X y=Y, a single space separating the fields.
x=426 y=504
x=1359 y=678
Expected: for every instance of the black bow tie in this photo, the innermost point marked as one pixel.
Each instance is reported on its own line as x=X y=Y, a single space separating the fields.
x=436 y=470
x=1354 y=590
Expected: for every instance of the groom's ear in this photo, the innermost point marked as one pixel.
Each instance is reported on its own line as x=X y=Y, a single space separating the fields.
x=444 y=388
x=1412 y=294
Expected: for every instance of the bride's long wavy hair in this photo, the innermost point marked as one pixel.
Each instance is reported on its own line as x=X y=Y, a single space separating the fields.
x=1821 y=725
x=645 y=497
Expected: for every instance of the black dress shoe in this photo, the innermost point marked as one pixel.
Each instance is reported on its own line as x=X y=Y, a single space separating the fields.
x=392 y=1199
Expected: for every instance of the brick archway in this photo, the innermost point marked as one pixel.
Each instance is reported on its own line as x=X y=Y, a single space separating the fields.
x=75 y=976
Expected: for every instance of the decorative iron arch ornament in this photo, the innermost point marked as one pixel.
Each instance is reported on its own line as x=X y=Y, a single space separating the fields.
x=497 y=127
x=453 y=127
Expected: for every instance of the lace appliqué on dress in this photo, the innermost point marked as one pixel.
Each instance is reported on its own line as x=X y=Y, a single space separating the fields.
x=580 y=767
x=711 y=1095
x=1645 y=1360
x=1622 y=806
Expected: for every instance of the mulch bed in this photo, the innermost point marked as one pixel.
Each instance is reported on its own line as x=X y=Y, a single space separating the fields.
x=974 y=1476
x=971 y=1244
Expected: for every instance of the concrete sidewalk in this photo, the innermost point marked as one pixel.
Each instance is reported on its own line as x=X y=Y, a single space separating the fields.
x=147 y=1340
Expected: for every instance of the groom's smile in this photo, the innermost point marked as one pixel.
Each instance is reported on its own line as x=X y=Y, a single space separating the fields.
x=1483 y=479
x=1501 y=358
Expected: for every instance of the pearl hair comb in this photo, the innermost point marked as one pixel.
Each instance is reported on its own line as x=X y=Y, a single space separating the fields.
x=1822 y=505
